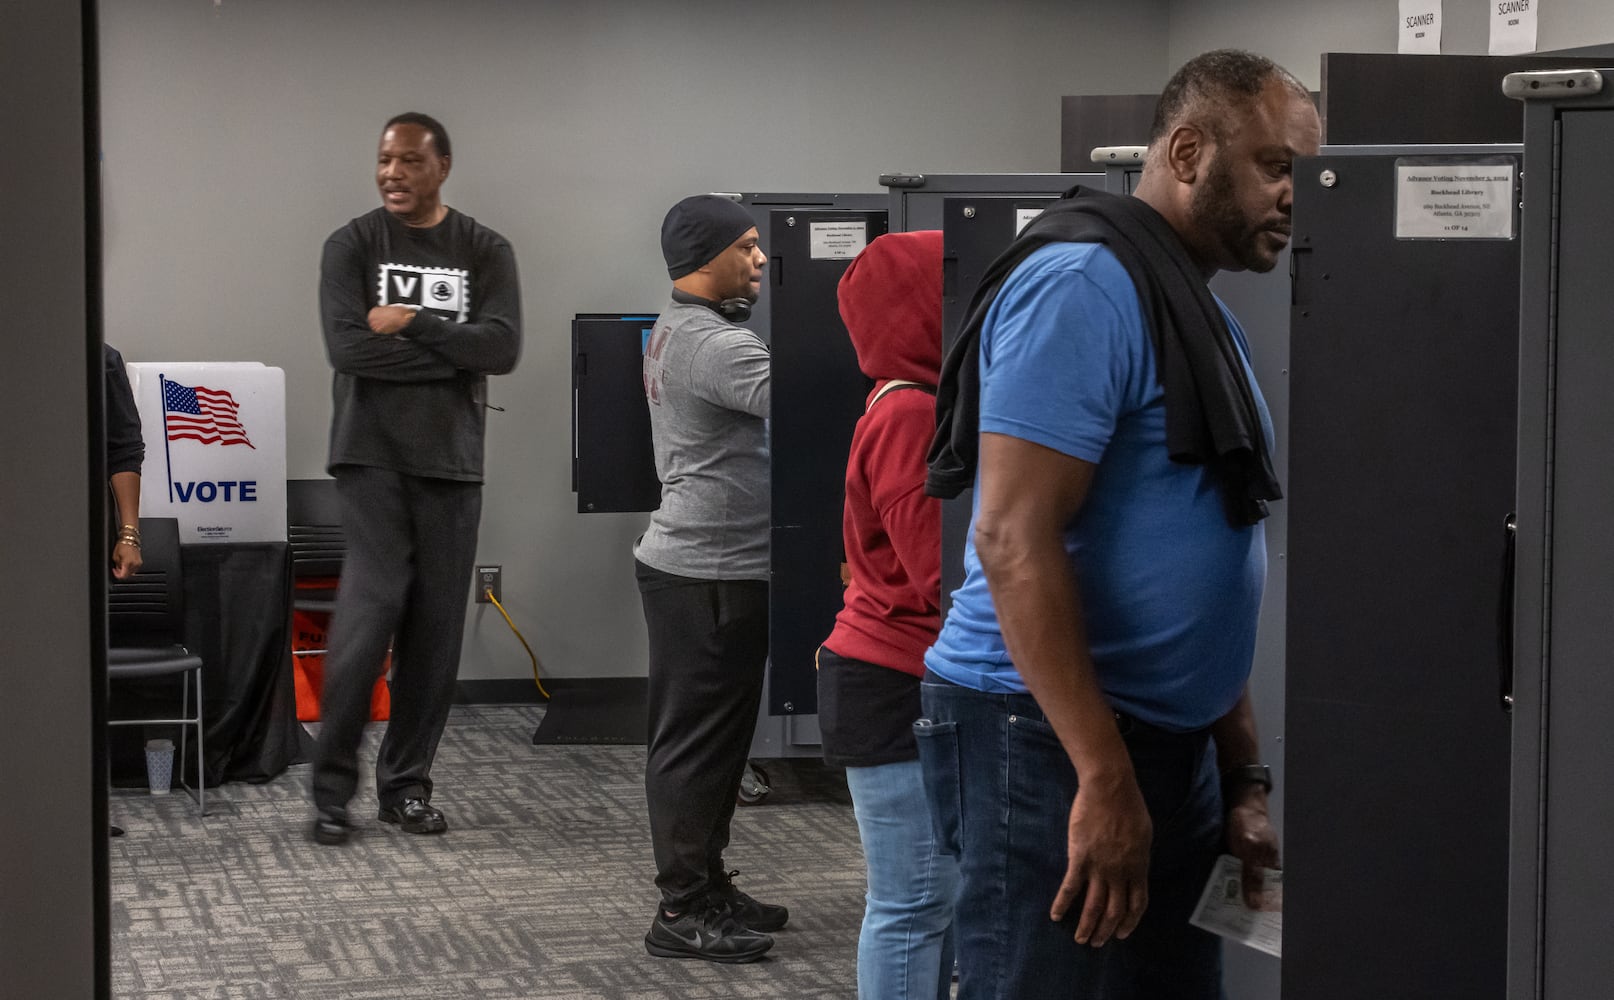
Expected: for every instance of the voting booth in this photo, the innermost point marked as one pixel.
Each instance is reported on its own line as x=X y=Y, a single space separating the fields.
x=818 y=395
x=1403 y=366
x=1562 y=800
x=215 y=437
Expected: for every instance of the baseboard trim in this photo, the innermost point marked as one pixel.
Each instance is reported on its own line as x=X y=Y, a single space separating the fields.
x=522 y=691
x=504 y=691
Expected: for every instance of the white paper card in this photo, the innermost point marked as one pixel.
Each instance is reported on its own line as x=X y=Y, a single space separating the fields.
x=1023 y=217
x=1454 y=201
x=1420 y=27
x=837 y=240
x=1513 y=26
x=1221 y=908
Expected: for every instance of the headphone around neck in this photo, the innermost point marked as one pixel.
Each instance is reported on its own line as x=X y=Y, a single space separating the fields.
x=733 y=310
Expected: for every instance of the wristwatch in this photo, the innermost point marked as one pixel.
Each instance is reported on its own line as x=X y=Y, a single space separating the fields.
x=1247 y=774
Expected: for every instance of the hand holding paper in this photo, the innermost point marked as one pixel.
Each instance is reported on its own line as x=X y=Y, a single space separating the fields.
x=1222 y=908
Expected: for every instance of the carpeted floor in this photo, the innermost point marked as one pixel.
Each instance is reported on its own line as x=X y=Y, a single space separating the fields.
x=542 y=888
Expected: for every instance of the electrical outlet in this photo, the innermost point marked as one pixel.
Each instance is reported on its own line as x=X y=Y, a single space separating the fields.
x=487 y=578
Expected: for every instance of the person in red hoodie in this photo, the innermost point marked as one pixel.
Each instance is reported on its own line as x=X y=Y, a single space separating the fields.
x=869 y=667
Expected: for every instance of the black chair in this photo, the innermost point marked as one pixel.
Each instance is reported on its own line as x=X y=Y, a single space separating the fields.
x=145 y=629
x=318 y=546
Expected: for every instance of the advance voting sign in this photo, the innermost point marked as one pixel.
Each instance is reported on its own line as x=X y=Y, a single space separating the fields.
x=215 y=449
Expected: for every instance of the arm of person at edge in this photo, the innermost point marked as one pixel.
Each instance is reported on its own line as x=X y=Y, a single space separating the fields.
x=126 y=561
x=1250 y=835
x=1028 y=495
x=353 y=347
x=125 y=453
x=488 y=346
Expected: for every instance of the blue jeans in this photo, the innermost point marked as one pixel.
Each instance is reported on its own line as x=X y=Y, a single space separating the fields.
x=906 y=949
x=1000 y=789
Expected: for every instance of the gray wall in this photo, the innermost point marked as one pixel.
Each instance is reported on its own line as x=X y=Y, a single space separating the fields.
x=50 y=847
x=238 y=136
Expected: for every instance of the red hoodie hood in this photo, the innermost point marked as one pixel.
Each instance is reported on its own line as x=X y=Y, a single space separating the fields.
x=891 y=302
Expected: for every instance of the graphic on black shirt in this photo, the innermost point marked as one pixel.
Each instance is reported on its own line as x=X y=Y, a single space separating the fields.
x=441 y=291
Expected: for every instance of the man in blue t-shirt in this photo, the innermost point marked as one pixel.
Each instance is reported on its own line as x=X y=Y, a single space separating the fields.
x=1085 y=703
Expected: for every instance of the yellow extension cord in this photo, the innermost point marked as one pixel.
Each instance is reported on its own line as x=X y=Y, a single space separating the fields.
x=523 y=639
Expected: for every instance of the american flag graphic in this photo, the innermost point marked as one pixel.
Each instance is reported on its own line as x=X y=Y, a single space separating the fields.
x=202 y=414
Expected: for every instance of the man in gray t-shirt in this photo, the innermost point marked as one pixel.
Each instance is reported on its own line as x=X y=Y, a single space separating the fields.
x=702 y=568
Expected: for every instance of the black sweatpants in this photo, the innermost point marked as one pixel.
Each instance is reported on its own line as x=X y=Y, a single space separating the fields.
x=708 y=653
x=411 y=549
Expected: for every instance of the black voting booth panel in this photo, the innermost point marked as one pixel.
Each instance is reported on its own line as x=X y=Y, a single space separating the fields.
x=1378 y=98
x=1349 y=890
x=795 y=206
x=818 y=395
x=1563 y=800
x=916 y=200
x=1401 y=455
x=613 y=464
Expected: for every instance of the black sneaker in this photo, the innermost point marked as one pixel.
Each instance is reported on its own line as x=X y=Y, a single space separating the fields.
x=756 y=915
x=706 y=931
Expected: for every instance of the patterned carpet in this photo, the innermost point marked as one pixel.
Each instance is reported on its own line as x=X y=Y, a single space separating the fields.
x=542 y=888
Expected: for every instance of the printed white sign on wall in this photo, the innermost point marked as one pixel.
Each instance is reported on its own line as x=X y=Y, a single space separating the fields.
x=1513 y=26
x=1420 y=27
x=215 y=449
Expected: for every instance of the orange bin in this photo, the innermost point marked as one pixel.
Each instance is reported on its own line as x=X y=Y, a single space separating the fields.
x=308 y=671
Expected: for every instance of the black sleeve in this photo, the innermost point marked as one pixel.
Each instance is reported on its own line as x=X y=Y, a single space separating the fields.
x=344 y=309
x=490 y=344
x=125 y=448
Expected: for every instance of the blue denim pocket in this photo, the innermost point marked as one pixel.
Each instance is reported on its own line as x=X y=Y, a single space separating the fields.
x=938 y=756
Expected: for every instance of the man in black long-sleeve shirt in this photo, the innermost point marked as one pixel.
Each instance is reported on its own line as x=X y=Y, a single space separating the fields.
x=419 y=305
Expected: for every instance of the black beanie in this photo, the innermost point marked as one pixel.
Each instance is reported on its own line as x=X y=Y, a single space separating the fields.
x=699 y=228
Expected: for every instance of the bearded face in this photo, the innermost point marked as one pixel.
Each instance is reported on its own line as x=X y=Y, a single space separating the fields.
x=1248 y=227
